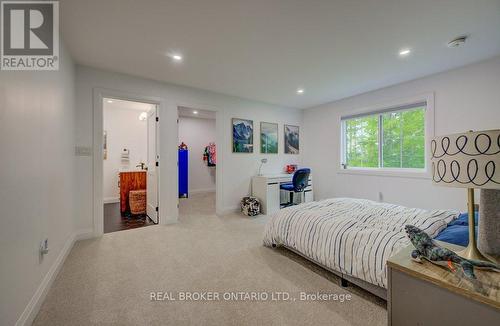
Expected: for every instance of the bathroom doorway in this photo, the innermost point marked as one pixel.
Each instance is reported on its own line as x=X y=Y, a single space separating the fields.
x=130 y=164
x=198 y=162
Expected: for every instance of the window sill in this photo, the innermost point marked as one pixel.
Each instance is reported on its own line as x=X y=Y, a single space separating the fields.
x=397 y=173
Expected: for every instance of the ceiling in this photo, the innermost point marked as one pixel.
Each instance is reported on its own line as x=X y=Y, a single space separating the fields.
x=128 y=105
x=190 y=113
x=266 y=49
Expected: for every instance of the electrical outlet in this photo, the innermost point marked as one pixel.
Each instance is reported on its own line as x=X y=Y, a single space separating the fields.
x=380 y=196
x=44 y=247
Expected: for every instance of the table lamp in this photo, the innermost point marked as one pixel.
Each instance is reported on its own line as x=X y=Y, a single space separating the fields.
x=262 y=162
x=468 y=160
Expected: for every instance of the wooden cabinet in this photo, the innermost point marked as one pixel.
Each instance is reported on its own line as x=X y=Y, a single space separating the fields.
x=429 y=295
x=134 y=180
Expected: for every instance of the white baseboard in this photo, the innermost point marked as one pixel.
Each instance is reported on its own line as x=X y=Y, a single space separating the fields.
x=31 y=310
x=167 y=220
x=111 y=200
x=84 y=234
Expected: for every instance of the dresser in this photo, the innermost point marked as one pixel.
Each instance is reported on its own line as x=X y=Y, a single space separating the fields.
x=426 y=294
x=130 y=180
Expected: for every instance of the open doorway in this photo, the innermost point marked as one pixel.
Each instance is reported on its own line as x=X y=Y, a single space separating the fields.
x=197 y=162
x=130 y=160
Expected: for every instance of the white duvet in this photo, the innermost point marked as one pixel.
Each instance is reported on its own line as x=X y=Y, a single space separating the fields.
x=351 y=236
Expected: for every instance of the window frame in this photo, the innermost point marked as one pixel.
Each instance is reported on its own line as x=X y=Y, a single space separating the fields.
x=394 y=106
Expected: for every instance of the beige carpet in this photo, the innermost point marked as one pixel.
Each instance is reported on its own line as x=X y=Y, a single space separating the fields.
x=108 y=281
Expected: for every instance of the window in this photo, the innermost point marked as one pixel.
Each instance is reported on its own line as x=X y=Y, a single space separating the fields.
x=390 y=139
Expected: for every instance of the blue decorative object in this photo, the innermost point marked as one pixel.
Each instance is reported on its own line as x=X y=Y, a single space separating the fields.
x=463 y=219
x=457 y=231
x=183 y=173
x=455 y=234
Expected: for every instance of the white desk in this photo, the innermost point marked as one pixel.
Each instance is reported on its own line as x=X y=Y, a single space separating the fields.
x=267 y=189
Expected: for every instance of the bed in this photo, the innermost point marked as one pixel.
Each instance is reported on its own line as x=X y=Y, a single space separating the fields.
x=352 y=238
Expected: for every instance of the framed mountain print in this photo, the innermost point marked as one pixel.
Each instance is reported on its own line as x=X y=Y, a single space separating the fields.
x=242 y=135
x=268 y=138
x=291 y=139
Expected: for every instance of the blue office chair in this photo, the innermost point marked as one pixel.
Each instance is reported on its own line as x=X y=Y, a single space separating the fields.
x=300 y=181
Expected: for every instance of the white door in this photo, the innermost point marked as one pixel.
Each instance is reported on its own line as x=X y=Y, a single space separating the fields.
x=152 y=164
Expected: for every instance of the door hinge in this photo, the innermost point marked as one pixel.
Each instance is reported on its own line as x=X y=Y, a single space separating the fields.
x=157 y=163
x=157 y=119
x=177 y=120
x=157 y=208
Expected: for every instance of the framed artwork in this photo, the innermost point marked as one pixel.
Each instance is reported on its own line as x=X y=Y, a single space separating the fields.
x=268 y=138
x=242 y=135
x=105 y=145
x=291 y=139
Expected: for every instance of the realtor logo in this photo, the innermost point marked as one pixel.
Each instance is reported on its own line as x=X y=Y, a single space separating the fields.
x=30 y=35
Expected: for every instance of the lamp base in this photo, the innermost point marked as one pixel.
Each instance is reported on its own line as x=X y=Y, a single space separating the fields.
x=472 y=253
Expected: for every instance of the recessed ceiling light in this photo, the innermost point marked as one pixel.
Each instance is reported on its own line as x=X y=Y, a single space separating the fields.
x=177 y=57
x=110 y=101
x=300 y=91
x=195 y=112
x=404 y=52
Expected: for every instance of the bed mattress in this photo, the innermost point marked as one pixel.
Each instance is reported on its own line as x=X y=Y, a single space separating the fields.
x=351 y=236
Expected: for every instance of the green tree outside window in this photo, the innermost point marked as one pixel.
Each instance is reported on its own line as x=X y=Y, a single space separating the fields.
x=402 y=137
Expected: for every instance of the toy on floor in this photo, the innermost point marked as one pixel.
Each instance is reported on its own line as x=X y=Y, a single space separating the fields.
x=429 y=250
x=250 y=206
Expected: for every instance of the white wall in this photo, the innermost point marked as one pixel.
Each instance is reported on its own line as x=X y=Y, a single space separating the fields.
x=124 y=130
x=465 y=98
x=238 y=168
x=197 y=134
x=37 y=178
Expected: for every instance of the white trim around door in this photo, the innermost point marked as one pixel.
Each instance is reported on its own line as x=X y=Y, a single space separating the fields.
x=99 y=94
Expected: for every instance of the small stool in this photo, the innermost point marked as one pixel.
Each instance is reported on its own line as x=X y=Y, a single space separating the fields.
x=250 y=206
x=137 y=201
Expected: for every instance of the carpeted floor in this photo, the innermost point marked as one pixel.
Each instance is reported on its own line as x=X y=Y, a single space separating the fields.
x=108 y=281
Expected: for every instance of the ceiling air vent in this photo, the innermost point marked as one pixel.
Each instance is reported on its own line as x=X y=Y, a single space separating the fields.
x=459 y=41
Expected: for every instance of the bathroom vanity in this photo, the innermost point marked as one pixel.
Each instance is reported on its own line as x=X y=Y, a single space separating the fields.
x=130 y=180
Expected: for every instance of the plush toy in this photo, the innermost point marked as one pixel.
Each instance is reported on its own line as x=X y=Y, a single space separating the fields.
x=427 y=249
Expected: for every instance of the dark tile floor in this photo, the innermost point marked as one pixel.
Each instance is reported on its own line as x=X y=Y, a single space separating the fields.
x=113 y=221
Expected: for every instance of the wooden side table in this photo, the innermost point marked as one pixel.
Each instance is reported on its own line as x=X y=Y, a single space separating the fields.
x=426 y=294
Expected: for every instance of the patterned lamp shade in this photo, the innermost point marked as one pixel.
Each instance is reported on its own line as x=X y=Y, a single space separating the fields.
x=467 y=160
